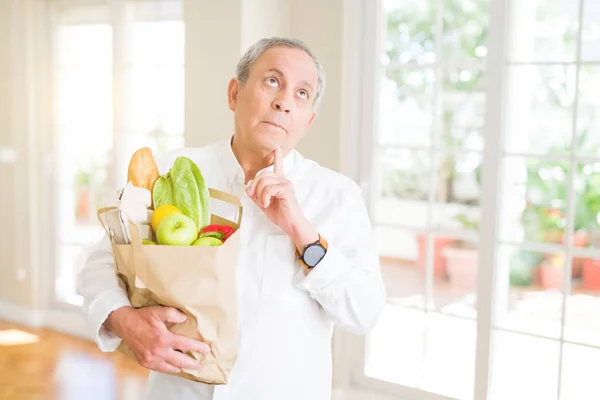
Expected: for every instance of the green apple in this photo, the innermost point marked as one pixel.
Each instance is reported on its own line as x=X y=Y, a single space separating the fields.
x=147 y=242
x=208 y=241
x=176 y=230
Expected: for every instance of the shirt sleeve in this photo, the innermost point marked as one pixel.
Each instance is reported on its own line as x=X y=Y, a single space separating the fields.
x=347 y=282
x=103 y=292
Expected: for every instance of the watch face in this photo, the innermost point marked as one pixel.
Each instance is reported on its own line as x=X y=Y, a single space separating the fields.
x=313 y=255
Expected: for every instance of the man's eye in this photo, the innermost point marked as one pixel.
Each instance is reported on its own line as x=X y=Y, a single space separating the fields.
x=272 y=81
x=303 y=94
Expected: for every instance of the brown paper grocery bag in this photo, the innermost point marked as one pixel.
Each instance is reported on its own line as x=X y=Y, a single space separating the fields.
x=198 y=280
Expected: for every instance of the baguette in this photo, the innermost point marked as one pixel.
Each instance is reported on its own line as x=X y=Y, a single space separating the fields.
x=142 y=171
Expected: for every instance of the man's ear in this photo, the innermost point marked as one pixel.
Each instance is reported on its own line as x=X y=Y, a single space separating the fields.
x=310 y=121
x=232 y=93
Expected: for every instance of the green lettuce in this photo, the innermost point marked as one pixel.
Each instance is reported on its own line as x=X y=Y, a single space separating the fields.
x=184 y=187
x=162 y=193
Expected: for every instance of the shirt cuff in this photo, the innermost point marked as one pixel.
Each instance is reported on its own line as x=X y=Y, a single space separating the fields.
x=107 y=302
x=333 y=266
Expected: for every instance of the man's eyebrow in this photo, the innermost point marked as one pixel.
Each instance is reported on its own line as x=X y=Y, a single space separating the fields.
x=278 y=72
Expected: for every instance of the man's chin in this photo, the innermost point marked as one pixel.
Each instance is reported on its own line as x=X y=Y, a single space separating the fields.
x=268 y=143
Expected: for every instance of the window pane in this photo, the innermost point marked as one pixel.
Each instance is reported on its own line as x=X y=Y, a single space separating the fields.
x=465 y=25
x=406 y=100
x=84 y=45
x=580 y=366
x=449 y=356
x=394 y=350
x=456 y=292
x=587 y=205
x=588 y=114
x=430 y=351
x=158 y=43
x=523 y=367
x=540 y=109
x=84 y=141
x=70 y=259
x=583 y=302
x=409 y=34
x=402 y=264
x=530 y=291
x=590 y=40
x=157 y=99
x=463 y=108
x=534 y=199
x=458 y=188
x=543 y=30
x=404 y=187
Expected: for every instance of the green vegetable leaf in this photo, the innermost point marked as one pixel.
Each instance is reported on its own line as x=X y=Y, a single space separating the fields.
x=162 y=193
x=204 y=195
x=185 y=189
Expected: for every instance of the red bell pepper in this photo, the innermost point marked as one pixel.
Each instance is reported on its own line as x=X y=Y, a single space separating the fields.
x=221 y=232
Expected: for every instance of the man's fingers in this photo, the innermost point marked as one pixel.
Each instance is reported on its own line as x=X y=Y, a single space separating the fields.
x=186 y=344
x=251 y=189
x=264 y=182
x=165 y=367
x=270 y=191
x=181 y=360
x=278 y=163
x=170 y=314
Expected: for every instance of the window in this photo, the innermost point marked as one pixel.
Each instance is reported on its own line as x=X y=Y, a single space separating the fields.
x=426 y=176
x=118 y=86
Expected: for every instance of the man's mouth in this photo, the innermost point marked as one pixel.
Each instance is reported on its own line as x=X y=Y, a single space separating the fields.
x=275 y=125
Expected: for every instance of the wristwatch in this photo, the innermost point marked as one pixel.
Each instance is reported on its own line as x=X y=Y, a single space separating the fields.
x=312 y=253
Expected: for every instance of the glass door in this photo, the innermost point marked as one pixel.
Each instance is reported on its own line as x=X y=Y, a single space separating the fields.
x=529 y=330
x=545 y=334
x=426 y=174
x=118 y=86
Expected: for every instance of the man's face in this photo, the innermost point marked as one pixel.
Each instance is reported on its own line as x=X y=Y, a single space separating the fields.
x=275 y=106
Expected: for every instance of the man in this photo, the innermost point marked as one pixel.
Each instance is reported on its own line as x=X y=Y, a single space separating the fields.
x=308 y=260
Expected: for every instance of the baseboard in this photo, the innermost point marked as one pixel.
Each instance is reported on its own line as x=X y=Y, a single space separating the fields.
x=22 y=315
x=70 y=323
x=360 y=394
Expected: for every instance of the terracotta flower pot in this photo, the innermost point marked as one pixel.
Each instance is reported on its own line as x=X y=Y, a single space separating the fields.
x=439 y=263
x=591 y=275
x=551 y=276
x=462 y=266
x=83 y=203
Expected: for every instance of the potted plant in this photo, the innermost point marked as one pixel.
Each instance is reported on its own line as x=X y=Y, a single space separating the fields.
x=462 y=256
x=591 y=199
x=544 y=217
x=523 y=266
x=439 y=262
x=83 y=197
x=551 y=271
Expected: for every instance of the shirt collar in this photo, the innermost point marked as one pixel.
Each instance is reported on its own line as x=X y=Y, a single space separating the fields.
x=235 y=173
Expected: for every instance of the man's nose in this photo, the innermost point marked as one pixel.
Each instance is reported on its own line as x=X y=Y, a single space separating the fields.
x=281 y=104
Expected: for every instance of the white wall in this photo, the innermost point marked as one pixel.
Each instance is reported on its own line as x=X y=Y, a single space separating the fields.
x=20 y=125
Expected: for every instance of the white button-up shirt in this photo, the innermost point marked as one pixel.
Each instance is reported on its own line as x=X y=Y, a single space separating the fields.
x=286 y=317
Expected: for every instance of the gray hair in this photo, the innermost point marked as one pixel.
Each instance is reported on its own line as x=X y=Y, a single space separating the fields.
x=253 y=53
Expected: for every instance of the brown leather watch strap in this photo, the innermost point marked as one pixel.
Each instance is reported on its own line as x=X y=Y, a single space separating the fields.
x=320 y=241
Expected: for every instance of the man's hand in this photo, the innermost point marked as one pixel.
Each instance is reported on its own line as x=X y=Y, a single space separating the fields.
x=152 y=344
x=274 y=195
